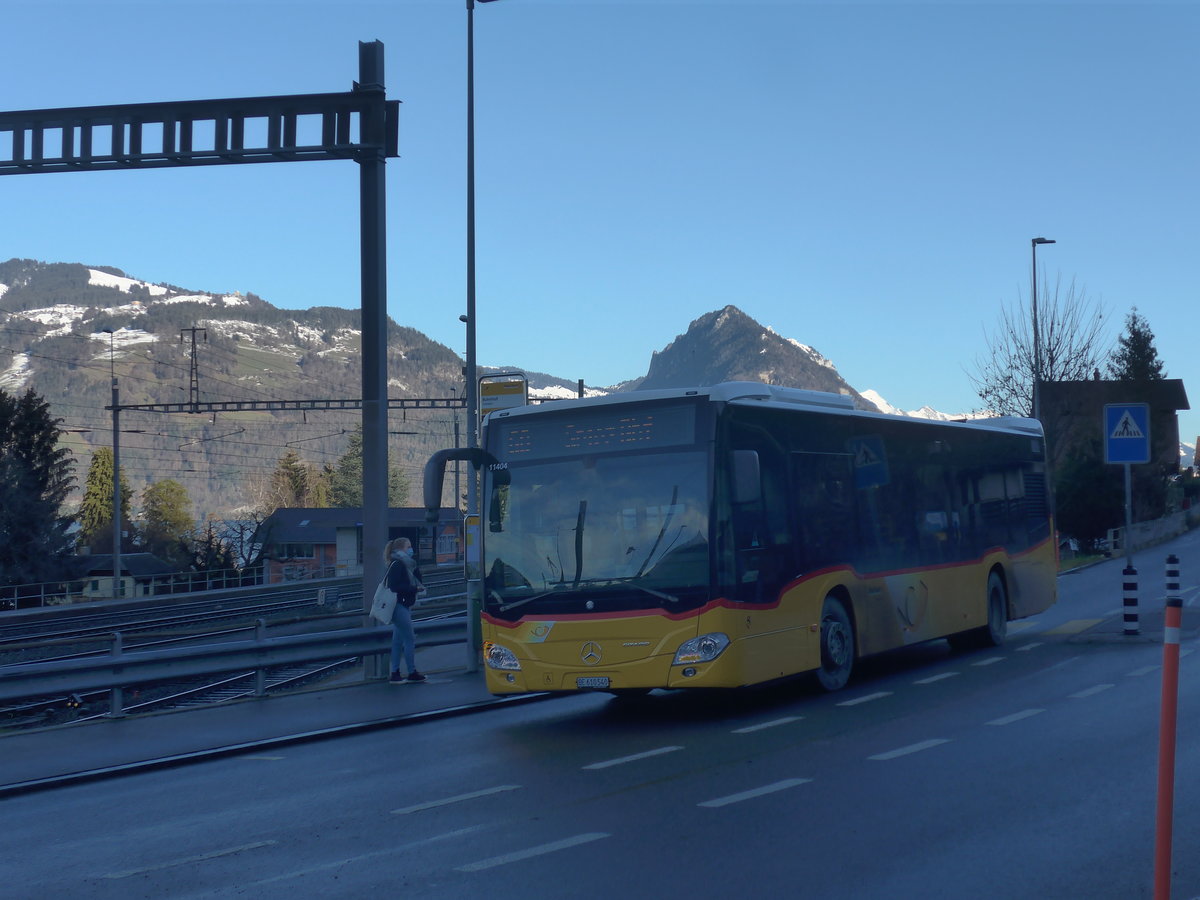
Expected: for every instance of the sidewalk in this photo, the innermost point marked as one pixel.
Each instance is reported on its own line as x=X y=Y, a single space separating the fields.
x=87 y=750
x=1150 y=625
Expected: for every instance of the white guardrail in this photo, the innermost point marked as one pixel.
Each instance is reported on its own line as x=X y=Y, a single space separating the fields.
x=122 y=669
x=1147 y=534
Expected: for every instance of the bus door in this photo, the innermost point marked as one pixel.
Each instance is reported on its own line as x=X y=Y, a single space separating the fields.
x=761 y=532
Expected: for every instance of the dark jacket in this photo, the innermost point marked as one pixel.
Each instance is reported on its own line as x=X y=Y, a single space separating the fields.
x=404 y=578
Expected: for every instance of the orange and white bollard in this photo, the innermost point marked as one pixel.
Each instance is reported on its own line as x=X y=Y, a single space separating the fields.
x=1172 y=625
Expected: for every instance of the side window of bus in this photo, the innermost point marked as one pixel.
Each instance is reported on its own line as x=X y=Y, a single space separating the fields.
x=825 y=507
x=939 y=520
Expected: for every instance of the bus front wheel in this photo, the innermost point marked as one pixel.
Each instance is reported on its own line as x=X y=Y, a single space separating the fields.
x=837 y=645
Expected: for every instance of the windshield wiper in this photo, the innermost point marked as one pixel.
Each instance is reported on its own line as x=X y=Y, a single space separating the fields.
x=662 y=531
x=505 y=607
x=595 y=582
x=653 y=592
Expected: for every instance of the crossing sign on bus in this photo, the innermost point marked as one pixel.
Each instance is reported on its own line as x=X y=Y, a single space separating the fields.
x=870 y=461
x=1127 y=433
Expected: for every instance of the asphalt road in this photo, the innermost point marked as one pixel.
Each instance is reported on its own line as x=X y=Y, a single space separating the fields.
x=1028 y=772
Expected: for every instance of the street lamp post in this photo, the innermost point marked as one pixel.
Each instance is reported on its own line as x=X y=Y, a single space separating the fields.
x=1037 y=335
x=116 y=476
x=473 y=592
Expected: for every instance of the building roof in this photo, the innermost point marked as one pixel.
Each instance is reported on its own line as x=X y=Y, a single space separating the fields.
x=139 y=565
x=304 y=525
x=1166 y=393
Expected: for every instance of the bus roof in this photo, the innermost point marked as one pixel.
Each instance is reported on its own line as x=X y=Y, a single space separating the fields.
x=747 y=393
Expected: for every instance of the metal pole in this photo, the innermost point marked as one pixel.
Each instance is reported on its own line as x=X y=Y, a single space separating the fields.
x=260 y=674
x=372 y=210
x=116 y=693
x=473 y=585
x=1127 y=538
x=118 y=584
x=457 y=468
x=1037 y=339
x=1037 y=332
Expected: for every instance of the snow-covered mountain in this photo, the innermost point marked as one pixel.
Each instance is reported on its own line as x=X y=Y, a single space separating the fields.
x=925 y=412
x=65 y=324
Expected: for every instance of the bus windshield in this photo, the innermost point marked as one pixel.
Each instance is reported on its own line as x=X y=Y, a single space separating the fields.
x=596 y=533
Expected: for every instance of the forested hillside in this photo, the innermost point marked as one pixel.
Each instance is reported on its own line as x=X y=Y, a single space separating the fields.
x=52 y=338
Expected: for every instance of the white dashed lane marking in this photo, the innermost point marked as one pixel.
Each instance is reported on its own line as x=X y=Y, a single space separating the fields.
x=1016 y=717
x=774 y=723
x=866 y=699
x=990 y=661
x=1092 y=691
x=911 y=748
x=620 y=761
x=934 y=678
x=188 y=860
x=756 y=792
x=447 y=801
x=1028 y=647
x=531 y=852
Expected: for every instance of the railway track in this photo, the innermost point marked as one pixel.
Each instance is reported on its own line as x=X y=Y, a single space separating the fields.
x=92 y=634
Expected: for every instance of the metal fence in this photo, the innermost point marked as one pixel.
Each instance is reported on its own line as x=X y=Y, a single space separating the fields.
x=123 y=668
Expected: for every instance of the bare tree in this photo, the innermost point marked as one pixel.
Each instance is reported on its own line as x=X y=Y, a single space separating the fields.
x=1072 y=339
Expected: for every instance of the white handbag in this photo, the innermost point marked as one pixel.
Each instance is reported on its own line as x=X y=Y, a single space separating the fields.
x=383 y=608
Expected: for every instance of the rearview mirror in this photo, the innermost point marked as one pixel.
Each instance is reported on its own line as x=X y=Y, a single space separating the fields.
x=747 y=481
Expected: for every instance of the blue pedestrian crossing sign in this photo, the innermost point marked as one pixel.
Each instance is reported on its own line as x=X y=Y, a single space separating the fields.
x=1127 y=433
x=870 y=461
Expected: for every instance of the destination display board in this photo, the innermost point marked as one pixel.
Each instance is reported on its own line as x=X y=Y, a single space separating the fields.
x=591 y=431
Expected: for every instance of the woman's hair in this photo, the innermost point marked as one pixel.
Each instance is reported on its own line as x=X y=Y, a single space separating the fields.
x=400 y=543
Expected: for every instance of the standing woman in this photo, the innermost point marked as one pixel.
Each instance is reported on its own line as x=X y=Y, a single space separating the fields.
x=404 y=578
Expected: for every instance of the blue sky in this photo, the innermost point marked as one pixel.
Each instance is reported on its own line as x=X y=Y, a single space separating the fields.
x=864 y=178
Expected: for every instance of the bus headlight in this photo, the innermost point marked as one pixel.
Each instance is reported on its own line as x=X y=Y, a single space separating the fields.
x=705 y=648
x=497 y=657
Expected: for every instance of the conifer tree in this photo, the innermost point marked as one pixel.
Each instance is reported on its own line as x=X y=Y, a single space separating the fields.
x=296 y=483
x=95 y=512
x=35 y=477
x=345 y=479
x=1135 y=357
x=167 y=523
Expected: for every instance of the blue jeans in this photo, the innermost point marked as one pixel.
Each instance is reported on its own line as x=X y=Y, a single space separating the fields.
x=403 y=639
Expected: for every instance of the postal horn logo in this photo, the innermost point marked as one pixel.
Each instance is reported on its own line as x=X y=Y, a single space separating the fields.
x=590 y=653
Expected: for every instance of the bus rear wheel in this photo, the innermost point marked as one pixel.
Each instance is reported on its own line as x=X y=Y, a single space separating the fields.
x=837 y=645
x=996 y=630
x=994 y=633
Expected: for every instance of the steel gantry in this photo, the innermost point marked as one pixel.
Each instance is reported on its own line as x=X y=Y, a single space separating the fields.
x=359 y=125
x=227 y=406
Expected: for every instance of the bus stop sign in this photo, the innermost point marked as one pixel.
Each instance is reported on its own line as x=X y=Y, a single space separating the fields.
x=1127 y=433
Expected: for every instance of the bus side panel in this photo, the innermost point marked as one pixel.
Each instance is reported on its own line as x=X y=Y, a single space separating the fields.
x=1034 y=583
x=765 y=642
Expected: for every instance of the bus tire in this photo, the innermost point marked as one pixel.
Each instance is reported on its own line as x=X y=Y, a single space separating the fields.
x=992 y=634
x=837 y=645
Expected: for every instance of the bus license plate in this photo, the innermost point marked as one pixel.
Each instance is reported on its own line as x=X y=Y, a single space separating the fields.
x=593 y=681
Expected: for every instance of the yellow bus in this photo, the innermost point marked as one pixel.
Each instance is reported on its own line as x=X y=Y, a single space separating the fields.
x=735 y=534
